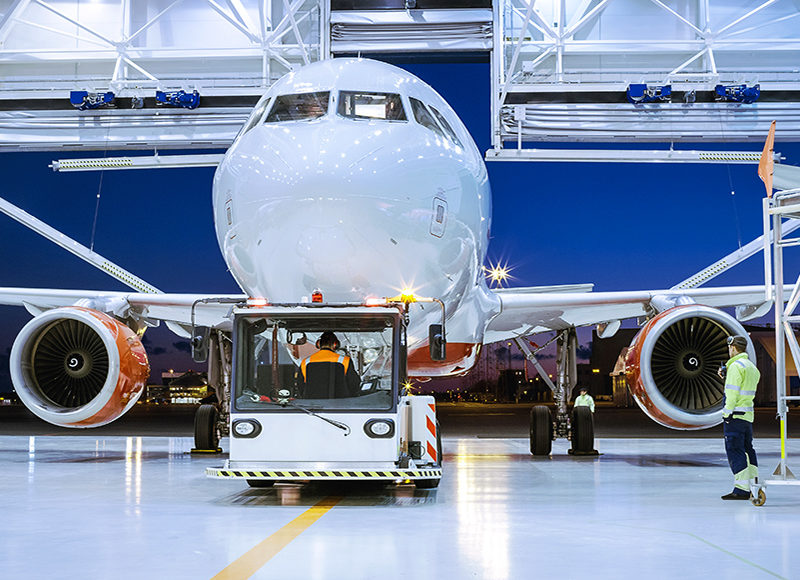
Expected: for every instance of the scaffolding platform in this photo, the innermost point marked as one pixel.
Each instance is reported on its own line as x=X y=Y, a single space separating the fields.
x=782 y=206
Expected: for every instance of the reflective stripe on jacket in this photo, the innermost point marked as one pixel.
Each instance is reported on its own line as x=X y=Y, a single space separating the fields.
x=325 y=356
x=741 y=382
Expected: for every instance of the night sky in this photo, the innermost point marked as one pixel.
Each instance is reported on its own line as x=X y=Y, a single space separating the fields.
x=620 y=226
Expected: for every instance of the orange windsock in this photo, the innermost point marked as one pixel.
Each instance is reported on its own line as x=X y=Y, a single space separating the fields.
x=767 y=162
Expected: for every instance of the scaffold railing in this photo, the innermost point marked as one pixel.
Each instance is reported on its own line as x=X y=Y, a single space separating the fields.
x=782 y=206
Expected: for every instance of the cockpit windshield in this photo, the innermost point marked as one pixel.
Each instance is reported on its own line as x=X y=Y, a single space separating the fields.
x=318 y=363
x=299 y=107
x=365 y=105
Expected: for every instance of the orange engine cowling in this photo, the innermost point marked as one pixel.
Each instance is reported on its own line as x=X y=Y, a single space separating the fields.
x=77 y=367
x=672 y=365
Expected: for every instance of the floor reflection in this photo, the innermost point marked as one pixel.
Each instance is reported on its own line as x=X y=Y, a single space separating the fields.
x=360 y=494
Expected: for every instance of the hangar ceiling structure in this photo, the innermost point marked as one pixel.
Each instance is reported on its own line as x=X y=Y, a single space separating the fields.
x=559 y=68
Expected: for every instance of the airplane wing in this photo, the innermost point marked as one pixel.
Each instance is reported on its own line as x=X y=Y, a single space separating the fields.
x=527 y=311
x=174 y=309
x=786 y=177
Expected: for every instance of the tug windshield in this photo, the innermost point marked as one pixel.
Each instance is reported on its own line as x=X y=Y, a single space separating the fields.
x=319 y=363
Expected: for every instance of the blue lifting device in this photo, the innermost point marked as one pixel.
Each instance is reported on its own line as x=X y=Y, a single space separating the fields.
x=737 y=93
x=178 y=99
x=83 y=100
x=641 y=94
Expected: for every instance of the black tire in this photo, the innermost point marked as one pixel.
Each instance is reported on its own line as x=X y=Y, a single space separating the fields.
x=260 y=483
x=582 y=430
x=426 y=483
x=206 y=435
x=541 y=430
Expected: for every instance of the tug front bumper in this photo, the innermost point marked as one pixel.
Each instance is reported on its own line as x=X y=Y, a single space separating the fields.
x=394 y=475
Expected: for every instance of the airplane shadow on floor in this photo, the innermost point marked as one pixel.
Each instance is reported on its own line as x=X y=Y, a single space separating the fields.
x=352 y=494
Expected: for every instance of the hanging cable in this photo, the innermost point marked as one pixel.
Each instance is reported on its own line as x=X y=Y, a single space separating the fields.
x=99 y=191
x=96 y=210
x=733 y=191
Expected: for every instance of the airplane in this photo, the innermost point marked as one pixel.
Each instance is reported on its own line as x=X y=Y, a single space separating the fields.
x=355 y=179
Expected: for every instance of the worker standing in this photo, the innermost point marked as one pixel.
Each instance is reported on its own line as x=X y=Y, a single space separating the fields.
x=741 y=379
x=584 y=399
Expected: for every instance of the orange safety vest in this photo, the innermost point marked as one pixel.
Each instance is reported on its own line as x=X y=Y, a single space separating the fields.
x=325 y=356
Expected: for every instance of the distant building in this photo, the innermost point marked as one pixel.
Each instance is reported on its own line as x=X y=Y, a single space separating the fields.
x=179 y=388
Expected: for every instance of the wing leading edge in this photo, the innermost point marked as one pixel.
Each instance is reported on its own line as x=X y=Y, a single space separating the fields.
x=523 y=313
x=174 y=309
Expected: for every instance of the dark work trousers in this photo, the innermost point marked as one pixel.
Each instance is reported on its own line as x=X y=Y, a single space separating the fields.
x=739 y=447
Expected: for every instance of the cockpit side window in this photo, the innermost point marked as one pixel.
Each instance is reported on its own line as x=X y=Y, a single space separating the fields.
x=424 y=117
x=446 y=126
x=365 y=105
x=299 y=107
x=255 y=117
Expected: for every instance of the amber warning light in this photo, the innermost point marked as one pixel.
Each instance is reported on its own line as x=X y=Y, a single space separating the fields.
x=316 y=296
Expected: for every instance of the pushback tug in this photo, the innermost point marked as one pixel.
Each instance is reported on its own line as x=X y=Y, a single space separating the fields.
x=282 y=430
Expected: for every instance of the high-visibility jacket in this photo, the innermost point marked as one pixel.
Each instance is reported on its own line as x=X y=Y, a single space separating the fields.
x=740 y=388
x=328 y=375
x=585 y=401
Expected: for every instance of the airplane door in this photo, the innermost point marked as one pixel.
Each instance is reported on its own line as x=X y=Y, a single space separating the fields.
x=439 y=217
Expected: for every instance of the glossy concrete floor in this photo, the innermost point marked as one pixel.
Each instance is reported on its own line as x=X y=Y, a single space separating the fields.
x=117 y=507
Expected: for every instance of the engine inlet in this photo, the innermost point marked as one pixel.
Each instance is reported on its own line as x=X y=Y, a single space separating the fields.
x=70 y=363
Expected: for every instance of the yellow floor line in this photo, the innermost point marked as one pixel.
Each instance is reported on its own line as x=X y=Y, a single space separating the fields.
x=249 y=563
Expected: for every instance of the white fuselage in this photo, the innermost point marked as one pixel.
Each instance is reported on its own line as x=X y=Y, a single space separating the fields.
x=358 y=208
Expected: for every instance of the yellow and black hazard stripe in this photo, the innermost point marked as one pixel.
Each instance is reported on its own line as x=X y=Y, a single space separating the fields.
x=743 y=156
x=338 y=474
x=101 y=163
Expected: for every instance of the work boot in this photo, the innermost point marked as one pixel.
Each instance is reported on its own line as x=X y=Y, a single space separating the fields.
x=737 y=494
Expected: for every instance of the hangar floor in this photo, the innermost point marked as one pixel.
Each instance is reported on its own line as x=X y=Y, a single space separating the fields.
x=140 y=507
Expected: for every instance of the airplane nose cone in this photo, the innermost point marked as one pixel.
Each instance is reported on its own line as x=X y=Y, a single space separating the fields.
x=346 y=221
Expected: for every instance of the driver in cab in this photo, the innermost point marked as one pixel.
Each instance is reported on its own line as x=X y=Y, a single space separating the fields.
x=326 y=374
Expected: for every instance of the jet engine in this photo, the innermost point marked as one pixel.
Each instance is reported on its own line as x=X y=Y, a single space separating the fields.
x=77 y=367
x=672 y=365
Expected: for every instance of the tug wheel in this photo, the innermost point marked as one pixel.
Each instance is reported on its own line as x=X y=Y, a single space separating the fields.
x=260 y=483
x=426 y=483
x=760 y=499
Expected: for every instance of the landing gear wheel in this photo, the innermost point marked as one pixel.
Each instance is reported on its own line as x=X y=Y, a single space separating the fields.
x=759 y=499
x=426 y=483
x=582 y=431
x=260 y=483
x=541 y=430
x=206 y=435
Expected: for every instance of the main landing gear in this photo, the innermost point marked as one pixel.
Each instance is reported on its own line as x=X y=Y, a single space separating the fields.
x=579 y=428
x=206 y=430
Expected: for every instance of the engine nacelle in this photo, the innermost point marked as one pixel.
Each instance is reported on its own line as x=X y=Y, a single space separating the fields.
x=673 y=361
x=77 y=367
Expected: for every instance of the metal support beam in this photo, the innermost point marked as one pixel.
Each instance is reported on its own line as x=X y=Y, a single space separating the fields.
x=128 y=278
x=625 y=156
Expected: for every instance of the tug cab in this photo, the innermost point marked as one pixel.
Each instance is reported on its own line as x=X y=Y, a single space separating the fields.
x=294 y=420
